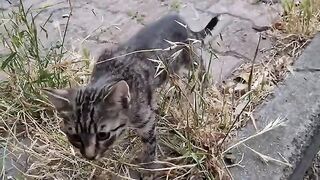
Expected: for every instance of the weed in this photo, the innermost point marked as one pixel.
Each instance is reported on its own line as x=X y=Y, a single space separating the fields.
x=175 y=5
x=29 y=67
x=302 y=18
x=137 y=16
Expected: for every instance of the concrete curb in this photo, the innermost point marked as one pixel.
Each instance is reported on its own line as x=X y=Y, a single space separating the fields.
x=297 y=100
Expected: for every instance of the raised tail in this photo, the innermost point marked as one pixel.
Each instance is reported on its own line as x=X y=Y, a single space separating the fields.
x=200 y=35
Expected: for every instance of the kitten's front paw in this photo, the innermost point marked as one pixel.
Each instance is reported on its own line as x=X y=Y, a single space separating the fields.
x=143 y=158
x=148 y=176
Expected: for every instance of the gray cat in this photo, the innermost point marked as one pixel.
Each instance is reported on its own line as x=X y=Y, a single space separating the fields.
x=120 y=94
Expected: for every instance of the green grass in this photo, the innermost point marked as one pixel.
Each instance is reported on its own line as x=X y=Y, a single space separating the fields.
x=30 y=67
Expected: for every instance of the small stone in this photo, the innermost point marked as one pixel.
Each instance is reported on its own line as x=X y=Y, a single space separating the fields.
x=229 y=158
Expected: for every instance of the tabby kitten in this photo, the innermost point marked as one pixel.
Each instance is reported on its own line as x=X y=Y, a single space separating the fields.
x=120 y=93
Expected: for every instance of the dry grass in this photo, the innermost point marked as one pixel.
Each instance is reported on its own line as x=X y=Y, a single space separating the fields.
x=300 y=22
x=193 y=120
x=301 y=18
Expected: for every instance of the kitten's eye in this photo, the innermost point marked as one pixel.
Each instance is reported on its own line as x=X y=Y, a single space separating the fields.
x=101 y=136
x=75 y=137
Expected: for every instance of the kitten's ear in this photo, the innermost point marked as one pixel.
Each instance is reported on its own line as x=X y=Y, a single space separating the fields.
x=119 y=94
x=60 y=98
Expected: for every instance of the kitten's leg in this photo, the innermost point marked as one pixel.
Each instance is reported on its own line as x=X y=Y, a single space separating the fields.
x=144 y=124
x=147 y=132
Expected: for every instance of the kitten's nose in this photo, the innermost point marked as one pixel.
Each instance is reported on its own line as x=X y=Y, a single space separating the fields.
x=89 y=152
x=89 y=157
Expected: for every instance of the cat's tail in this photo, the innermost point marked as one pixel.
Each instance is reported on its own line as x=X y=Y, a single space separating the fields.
x=200 y=35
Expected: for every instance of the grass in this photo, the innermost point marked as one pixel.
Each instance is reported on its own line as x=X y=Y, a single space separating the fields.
x=139 y=17
x=301 y=19
x=299 y=24
x=194 y=121
x=175 y=5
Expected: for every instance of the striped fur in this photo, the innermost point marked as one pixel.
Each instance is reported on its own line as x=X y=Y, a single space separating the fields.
x=120 y=94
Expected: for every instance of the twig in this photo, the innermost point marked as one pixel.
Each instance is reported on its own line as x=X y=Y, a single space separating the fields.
x=267 y=158
x=253 y=120
x=283 y=158
x=170 y=168
x=133 y=52
x=272 y=125
x=252 y=65
x=233 y=123
x=249 y=94
x=174 y=45
x=227 y=169
x=67 y=25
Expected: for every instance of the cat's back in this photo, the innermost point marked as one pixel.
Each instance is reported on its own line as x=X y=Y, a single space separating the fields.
x=124 y=62
x=169 y=27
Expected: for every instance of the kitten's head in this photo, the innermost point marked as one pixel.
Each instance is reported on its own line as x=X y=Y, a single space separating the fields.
x=92 y=118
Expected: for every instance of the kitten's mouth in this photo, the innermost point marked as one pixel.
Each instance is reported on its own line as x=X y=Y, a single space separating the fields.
x=90 y=158
x=96 y=157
